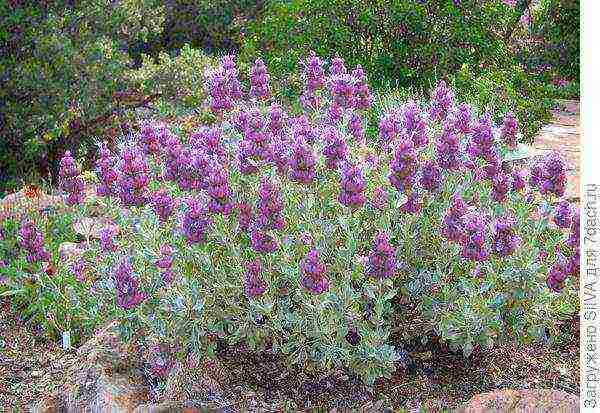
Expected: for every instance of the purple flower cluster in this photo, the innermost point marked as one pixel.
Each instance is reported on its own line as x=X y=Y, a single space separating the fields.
x=259 y=81
x=107 y=239
x=381 y=263
x=558 y=274
x=105 y=168
x=32 y=242
x=195 y=222
x=414 y=125
x=518 y=180
x=128 y=292
x=463 y=118
x=482 y=146
x=270 y=207
x=563 y=215
x=245 y=216
x=364 y=99
x=505 y=240
x=163 y=204
x=151 y=136
x=70 y=180
x=549 y=175
x=336 y=149
x=254 y=285
x=448 y=151
x=277 y=155
x=165 y=263
x=133 y=179
x=219 y=191
x=312 y=273
x=356 y=127
x=474 y=242
x=302 y=163
x=277 y=119
x=509 y=130
x=223 y=86
x=442 y=101
x=78 y=268
x=262 y=241
x=431 y=176
x=314 y=77
x=404 y=166
x=353 y=185
x=302 y=129
x=389 y=127
x=413 y=205
x=501 y=185
x=452 y=223
x=210 y=141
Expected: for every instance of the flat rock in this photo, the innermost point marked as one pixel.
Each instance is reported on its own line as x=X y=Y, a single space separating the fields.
x=523 y=401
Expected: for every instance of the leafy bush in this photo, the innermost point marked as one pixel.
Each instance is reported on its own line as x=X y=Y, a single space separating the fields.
x=304 y=236
x=410 y=42
x=554 y=40
x=63 y=63
x=500 y=91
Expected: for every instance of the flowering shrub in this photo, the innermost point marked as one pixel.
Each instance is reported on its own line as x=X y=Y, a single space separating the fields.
x=290 y=233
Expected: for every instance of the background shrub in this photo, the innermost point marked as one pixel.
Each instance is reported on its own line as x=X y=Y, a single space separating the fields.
x=63 y=63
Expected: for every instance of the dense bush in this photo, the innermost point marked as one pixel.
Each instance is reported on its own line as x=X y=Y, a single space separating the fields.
x=298 y=234
x=409 y=42
x=62 y=64
x=552 y=46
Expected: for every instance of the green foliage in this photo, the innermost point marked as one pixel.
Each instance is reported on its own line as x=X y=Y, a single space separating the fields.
x=411 y=42
x=499 y=91
x=555 y=39
x=62 y=65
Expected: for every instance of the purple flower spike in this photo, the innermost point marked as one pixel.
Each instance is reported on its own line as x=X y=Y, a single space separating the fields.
x=105 y=168
x=505 y=240
x=356 y=128
x=223 y=86
x=32 y=242
x=448 y=150
x=518 y=180
x=245 y=216
x=165 y=263
x=563 y=214
x=463 y=118
x=219 y=191
x=549 y=175
x=414 y=126
x=254 y=285
x=474 y=244
x=133 y=180
x=270 y=207
x=413 y=204
x=312 y=273
x=259 y=81
x=195 y=223
x=431 y=176
x=302 y=163
x=509 y=131
x=336 y=149
x=70 y=180
x=500 y=187
x=314 y=78
x=209 y=140
x=107 y=239
x=453 y=227
x=404 y=166
x=442 y=101
x=128 y=293
x=163 y=204
x=558 y=274
x=353 y=186
x=382 y=260
x=261 y=241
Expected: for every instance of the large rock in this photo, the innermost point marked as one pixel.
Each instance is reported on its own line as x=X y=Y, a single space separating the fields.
x=108 y=375
x=525 y=401
x=15 y=205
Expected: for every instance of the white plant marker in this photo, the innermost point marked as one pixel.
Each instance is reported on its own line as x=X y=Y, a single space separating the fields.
x=66 y=340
